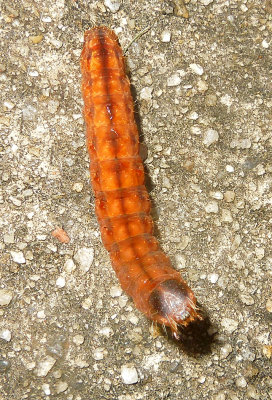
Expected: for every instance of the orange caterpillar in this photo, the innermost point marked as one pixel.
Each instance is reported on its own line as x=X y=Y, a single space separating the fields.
x=121 y=200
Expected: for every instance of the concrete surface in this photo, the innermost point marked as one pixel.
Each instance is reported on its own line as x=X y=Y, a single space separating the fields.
x=202 y=83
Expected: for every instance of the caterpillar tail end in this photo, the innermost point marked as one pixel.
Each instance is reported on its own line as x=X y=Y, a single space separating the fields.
x=174 y=305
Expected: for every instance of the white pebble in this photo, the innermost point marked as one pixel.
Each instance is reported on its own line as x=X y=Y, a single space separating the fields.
x=61 y=387
x=225 y=351
x=146 y=93
x=259 y=251
x=98 y=354
x=197 y=69
x=206 y=2
x=226 y=215
x=5 y=297
x=18 y=257
x=193 y=116
x=241 y=382
x=84 y=257
x=77 y=187
x=46 y=18
x=213 y=278
x=174 y=80
x=78 y=339
x=5 y=334
x=212 y=207
x=87 y=303
x=9 y=105
x=229 y=324
x=33 y=73
x=210 y=136
x=129 y=374
x=196 y=130
x=226 y=100
x=60 y=282
x=115 y=291
x=69 y=265
x=44 y=366
x=41 y=314
x=229 y=168
x=247 y=299
x=113 y=5
x=166 y=36
x=46 y=389
x=217 y=195
x=265 y=44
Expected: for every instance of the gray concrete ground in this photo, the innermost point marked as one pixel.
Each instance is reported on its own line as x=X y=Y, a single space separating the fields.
x=202 y=82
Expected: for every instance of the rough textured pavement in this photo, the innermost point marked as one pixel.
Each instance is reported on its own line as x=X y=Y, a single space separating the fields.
x=201 y=77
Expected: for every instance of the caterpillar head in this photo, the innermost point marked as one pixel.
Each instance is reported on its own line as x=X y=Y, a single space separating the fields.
x=174 y=305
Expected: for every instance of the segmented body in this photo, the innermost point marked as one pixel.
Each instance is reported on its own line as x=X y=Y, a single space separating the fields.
x=121 y=200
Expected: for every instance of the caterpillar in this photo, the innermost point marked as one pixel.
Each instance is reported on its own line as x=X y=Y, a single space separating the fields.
x=122 y=203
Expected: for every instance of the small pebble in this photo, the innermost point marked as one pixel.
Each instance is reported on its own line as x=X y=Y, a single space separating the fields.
x=9 y=105
x=210 y=136
x=60 y=282
x=229 y=324
x=5 y=334
x=267 y=351
x=265 y=44
x=61 y=235
x=98 y=354
x=259 y=251
x=69 y=265
x=166 y=36
x=217 y=195
x=61 y=387
x=87 y=303
x=197 y=69
x=229 y=168
x=46 y=19
x=41 y=314
x=46 y=389
x=229 y=196
x=212 y=207
x=196 y=130
x=174 y=80
x=247 y=299
x=269 y=305
x=146 y=93
x=115 y=291
x=8 y=238
x=252 y=393
x=202 y=86
x=35 y=39
x=193 y=116
x=78 y=339
x=77 y=187
x=5 y=297
x=113 y=5
x=129 y=375
x=226 y=216
x=213 y=278
x=210 y=100
x=84 y=257
x=226 y=100
x=4 y=365
x=225 y=351
x=45 y=365
x=241 y=382
x=206 y=2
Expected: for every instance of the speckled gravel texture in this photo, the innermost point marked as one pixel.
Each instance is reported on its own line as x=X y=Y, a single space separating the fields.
x=201 y=78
